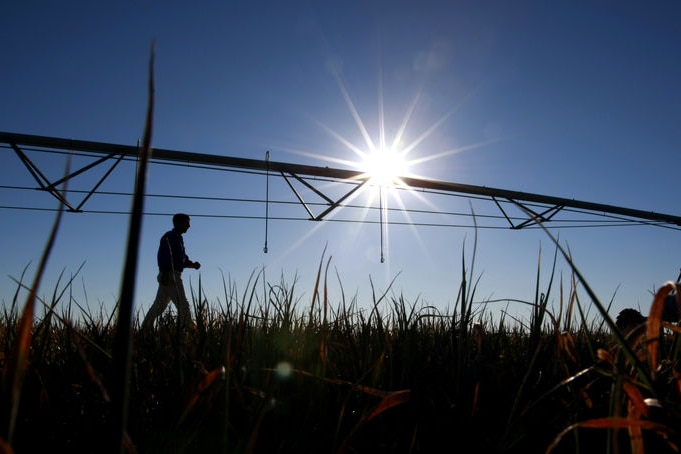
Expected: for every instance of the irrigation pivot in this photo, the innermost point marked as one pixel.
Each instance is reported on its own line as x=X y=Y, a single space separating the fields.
x=114 y=153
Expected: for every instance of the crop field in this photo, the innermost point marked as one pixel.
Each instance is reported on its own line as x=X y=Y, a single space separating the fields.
x=265 y=373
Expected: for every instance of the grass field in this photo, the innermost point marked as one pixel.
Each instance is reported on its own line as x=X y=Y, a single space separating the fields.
x=264 y=373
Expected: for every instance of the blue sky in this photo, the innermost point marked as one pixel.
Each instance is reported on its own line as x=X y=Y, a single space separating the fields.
x=568 y=99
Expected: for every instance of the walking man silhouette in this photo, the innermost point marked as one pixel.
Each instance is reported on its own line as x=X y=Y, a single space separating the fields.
x=172 y=259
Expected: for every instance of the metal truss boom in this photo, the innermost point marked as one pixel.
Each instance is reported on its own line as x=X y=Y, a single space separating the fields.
x=298 y=171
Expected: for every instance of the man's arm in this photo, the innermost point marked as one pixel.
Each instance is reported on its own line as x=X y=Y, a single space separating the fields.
x=190 y=264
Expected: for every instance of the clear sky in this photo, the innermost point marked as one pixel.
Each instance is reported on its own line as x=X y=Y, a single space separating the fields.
x=568 y=99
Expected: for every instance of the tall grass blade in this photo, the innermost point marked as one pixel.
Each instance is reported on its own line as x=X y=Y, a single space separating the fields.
x=122 y=341
x=14 y=372
x=619 y=336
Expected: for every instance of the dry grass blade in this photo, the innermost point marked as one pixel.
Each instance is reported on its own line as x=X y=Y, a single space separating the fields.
x=611 y=423
x=204 y=388
x=635 y=432
x=13 y=374
x=635 y=397
x=654 y=323
x=196 y=411
x=389 y=401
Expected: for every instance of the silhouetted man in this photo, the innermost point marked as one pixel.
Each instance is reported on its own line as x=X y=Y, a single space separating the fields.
x=172 y=259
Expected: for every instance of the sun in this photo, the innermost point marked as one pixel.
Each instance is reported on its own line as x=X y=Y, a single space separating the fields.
x=384 y=166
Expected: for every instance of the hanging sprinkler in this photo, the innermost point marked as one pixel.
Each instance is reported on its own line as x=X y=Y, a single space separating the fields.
x=380 y=210
x=267 y=197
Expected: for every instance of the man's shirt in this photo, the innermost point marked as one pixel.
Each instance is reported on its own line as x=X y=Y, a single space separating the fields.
x=171 y=255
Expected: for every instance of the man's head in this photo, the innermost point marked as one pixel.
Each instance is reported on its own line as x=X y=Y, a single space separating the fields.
x=181 y=222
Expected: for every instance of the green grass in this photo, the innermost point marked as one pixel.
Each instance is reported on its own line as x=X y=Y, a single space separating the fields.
x=264 y=372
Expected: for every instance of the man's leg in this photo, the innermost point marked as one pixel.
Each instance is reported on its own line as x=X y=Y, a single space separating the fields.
x=181 y=303
x=160 y=302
